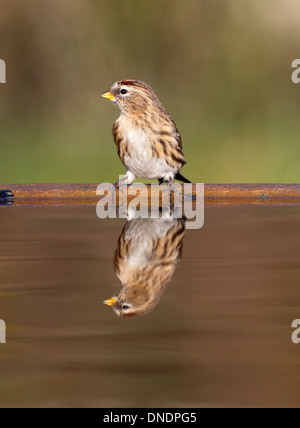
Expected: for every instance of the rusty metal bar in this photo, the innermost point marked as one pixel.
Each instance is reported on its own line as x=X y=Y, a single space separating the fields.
x=215 y=194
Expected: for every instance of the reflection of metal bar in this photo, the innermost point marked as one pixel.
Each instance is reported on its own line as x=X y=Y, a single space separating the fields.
x=6 y=202
x=215 y=194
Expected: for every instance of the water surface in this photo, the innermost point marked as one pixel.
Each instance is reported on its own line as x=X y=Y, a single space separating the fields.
x=220 y=334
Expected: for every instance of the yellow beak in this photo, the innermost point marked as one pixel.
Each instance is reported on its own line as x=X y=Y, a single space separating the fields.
x=110 y=302
x=109 y=95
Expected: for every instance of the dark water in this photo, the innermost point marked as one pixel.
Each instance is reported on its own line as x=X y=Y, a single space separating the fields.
x=220 y=334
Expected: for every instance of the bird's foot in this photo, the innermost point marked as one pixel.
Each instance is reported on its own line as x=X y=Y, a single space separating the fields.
x=119 y=185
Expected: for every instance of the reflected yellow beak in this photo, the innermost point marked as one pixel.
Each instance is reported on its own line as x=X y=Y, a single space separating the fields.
x=110 y=302
x=109 y=95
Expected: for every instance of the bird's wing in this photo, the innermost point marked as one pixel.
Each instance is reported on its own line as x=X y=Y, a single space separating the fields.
x=119 y=142
x=115 y=132
x=177 y=135
x=167 y=146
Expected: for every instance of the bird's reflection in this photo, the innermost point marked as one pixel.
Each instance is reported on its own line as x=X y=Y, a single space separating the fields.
x=146 y=257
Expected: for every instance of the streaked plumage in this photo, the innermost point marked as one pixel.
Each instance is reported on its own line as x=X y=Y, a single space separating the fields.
x=146 y=257
x=147 y=139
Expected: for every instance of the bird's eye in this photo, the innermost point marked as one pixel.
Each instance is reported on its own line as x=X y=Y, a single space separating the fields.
x=124 y=91
x=125 y=307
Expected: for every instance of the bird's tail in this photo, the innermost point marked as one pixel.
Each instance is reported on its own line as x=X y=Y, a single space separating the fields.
x=180 y=177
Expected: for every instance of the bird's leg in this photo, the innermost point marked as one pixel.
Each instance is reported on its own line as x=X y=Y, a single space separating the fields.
x=119 y=182
x=171 y=184
x=172 y=199
x=168 y=188
x=129 y=178
x=122 y=196
x=178 y=193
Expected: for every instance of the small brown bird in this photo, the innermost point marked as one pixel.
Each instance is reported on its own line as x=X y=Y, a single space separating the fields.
x=147 y=139
x=146 y=257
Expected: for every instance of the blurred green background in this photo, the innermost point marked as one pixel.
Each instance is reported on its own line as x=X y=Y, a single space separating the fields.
x=221 y=67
